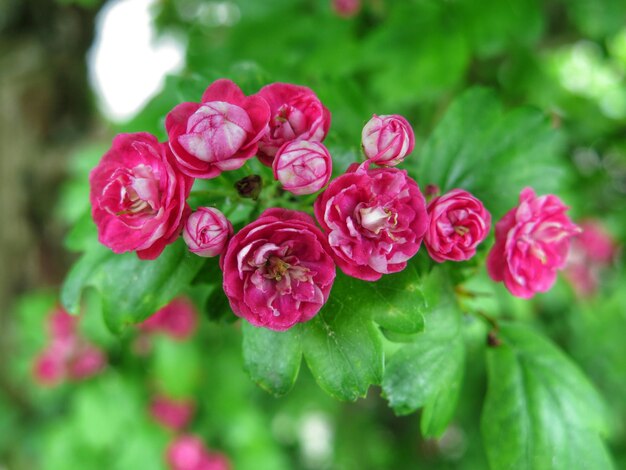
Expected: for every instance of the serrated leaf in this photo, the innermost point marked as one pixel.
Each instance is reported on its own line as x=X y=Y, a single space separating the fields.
x=491 y=153
x=272 y=358
x=428 y=371
x=131 y=289
x=551 y=415
x=342 y=346
x=395 y=301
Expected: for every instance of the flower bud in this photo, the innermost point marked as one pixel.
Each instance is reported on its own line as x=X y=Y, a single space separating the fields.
x=207 y=231
x=302 y=167
x=387 y=139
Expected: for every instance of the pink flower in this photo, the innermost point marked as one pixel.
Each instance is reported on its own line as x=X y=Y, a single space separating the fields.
x=387 y=139
x=458 y=224
x=218 y=134
x=86 y=361
x=346 y=8
x=188 y=452
x=67 y=355
x=137 y=197
x=375 y=220
x=295 y=114
x=598 y=244
x=532 y=241
x=48 y=368
x=591 y=252
x=61 y=324
x=302 y=167
x=207 y=231
x=277 y=270
x=171 y=413
x=178 y=319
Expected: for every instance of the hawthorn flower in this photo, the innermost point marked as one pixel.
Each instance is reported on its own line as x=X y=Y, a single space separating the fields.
x=302 y=167
x=532 y=243
x=218 y=134
x=138 y=198
x=278 y=270
x=374 y=219
x=458 y=224
x=296 y=113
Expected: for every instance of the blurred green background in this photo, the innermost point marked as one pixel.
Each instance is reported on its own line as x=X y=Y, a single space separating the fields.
x=411 y=57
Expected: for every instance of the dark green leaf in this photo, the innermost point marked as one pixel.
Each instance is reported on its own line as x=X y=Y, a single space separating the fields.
x=492 y=154
x=342 y=346
x=428 y=371
x=131 y=289
x=540 y=410
x=272 y=358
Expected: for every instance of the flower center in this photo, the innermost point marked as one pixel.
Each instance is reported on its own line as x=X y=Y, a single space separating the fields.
x=375 y=219
x=461 y=230
x=132 y=193
x=276 y=268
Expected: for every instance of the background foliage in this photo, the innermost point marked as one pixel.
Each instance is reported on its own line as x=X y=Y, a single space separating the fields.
x=501 y=95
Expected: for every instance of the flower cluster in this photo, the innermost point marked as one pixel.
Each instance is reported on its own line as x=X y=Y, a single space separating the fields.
x=68 y=355
x=279 y=269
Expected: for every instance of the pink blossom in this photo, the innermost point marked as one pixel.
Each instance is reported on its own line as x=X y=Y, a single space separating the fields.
x=172 y=413
x=375 y=220
x=187 y=452
x=86 y=361
x=532 y=242
x=48 y=368
x=218 y=134
x=590 y=253
x=278 y=270
x=68 y=355
x=346 y=8
x=458 y=224
x=296 y=113
x=387 y=139
x=207 y=231
x=178 y=319
x=137 y=197
x=302 y=167
x=61 y=324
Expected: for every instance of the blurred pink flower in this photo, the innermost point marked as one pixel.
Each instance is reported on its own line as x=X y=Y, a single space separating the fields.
x=591 y=252
x=68 y=356
x=178 y=319
x=187 y=452
x=346 y=8
x=172 y=413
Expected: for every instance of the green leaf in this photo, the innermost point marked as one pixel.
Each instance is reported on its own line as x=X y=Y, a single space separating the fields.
x=428 y=371
x=131 y=289
x=83 y=235
x=540 y=410
x=342 y=346
x=491 y=153
x=272 y=358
